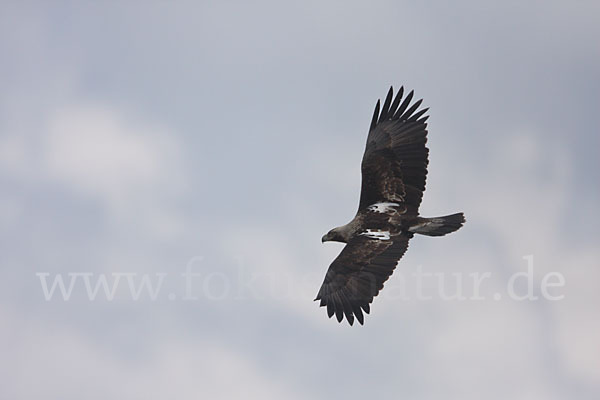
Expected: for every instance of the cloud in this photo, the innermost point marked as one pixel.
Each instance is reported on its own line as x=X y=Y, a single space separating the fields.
x=66 y=363
x=132 y=169
x=93 y=150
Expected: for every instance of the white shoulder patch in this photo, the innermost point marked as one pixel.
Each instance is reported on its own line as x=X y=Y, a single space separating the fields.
x=376 y=234
x=383 y=207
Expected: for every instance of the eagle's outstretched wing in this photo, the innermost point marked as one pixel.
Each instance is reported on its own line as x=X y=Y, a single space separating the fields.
x=394 y=166
x=357 y=275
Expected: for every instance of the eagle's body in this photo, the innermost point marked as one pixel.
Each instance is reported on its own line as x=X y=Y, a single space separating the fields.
x=394 y=170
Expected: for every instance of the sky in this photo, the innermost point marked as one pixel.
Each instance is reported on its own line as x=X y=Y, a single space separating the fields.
x=203 y=148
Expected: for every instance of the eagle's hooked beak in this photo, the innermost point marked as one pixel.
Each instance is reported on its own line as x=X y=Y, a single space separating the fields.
x=325 y=238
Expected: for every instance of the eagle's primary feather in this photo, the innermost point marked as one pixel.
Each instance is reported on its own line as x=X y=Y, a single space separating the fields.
x=394 y=171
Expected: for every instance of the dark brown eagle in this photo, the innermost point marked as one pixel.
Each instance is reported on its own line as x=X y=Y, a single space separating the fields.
x=394 y=170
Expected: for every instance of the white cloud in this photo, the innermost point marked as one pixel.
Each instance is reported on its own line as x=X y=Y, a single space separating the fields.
x=50 y=360
x=95 y=150
x=578 y=317
x=133 y=169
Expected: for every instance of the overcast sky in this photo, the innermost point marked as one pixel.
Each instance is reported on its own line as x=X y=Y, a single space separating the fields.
x=150 y=138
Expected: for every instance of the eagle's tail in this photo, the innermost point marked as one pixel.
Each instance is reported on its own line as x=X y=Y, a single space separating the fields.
x=438 y=226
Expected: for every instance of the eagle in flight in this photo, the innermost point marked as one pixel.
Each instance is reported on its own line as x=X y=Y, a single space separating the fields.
x=394 y=170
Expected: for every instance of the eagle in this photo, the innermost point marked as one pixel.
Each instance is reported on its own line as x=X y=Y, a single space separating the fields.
x=394 y=170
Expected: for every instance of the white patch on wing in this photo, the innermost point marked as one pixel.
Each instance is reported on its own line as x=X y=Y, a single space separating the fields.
x=376 y=234
x=383 y=207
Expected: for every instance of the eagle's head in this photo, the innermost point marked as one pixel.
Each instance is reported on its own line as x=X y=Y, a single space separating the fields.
x=333 y=235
